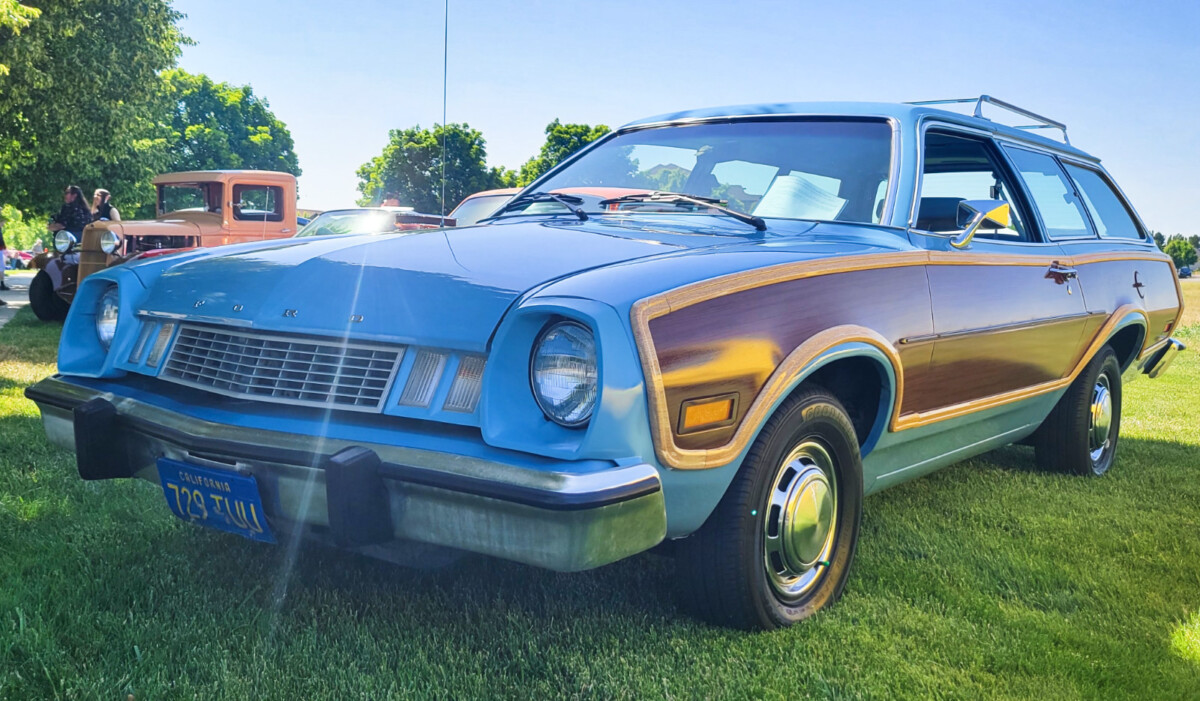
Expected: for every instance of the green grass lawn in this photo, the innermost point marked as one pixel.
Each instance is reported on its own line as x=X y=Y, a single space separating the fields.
x=987 y=579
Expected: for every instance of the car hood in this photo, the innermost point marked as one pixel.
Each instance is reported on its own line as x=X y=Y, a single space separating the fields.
x=153 y=227
x=446 y=288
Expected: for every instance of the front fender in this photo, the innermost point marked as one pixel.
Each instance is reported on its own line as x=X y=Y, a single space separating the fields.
x=691 y=495
x=61 y=269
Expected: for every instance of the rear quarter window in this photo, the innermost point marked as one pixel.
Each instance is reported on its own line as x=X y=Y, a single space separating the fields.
x=1053 y=194
x=1109 y=212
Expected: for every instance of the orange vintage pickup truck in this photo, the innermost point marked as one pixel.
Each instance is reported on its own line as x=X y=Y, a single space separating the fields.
x=195 y=209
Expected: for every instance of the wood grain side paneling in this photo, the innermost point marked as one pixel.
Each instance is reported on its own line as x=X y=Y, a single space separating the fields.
x=728 y=332
x=734 y=343
x=1000 y=328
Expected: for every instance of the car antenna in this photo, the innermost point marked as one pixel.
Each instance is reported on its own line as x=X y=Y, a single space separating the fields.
x=445 y=65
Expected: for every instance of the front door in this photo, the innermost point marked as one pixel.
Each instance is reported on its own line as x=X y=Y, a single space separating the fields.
x=1008 y=314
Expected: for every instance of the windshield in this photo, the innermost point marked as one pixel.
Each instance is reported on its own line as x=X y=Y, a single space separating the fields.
x=194 y=197
x=352 y=221
x=826 y=169
x=473 y=209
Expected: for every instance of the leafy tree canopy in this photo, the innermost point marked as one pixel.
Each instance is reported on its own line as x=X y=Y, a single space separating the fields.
x=77 y=104
x=13 y=18
x=410 y=168
x=562 y=140
x=1159 y=239
x=219 y=126
x=1181 y=252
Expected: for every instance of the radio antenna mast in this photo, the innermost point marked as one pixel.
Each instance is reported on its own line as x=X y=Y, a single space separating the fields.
x=445 y=64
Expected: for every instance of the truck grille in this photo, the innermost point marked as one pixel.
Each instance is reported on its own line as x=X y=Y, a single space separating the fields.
x=288 y=370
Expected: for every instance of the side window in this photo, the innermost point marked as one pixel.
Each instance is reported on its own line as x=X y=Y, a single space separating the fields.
x=959 y=168
x=1053 y=194
x=1109 y=213
x=257 y=203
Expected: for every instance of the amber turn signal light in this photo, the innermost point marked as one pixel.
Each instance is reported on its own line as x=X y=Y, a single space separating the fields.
x=710 y=412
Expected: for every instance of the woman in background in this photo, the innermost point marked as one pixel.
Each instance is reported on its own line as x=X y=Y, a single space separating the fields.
x=3 y=262
x=74 y=215
x=102 y=208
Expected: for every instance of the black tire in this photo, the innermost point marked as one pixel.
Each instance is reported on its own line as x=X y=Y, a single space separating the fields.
x=1070 y=440
x=728 y=571
x=44 y=301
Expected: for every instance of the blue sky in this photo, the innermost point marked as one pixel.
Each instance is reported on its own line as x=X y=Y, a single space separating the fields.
x=1125 y=77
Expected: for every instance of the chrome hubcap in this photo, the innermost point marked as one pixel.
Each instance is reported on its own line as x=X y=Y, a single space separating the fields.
x=1100 y=420
x=799 y=522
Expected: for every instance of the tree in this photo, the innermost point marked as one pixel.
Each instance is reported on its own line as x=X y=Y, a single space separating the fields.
x=13 y=18
x=1159 y=239
x=1181 y=252
x=78 y=102
x=562 y=140
x=217 y=126
x=1194 y=240
x=410 y=168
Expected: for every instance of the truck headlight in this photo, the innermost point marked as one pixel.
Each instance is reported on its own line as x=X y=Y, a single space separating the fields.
x=109 y=241
x=106 y=316
x=563 y=374
x=64 y=241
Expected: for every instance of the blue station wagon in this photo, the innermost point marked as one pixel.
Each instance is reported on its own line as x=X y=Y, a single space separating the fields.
x=723 y=327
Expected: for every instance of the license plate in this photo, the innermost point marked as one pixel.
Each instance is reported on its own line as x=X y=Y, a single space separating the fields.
x=219 y=499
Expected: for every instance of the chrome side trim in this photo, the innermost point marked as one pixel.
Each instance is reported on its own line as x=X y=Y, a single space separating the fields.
x=1000 y=328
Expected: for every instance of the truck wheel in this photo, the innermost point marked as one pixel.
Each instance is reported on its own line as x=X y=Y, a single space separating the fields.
x=778 y=547
x=44 y=300
x=1080 y=435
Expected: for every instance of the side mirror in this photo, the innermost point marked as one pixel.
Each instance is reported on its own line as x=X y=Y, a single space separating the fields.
x=996 y=213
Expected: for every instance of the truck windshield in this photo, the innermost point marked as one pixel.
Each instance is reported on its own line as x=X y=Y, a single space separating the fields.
x=193 y=197
x=826 y=169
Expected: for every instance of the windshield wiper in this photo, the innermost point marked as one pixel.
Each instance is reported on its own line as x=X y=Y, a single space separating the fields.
x=571 y=202
x=680 y=198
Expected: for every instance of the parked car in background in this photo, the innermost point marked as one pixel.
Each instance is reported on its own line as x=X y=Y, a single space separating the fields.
x=371 y=220
x=195 y=209
x=481 y=204
x=724 y=327
x=1185 y=272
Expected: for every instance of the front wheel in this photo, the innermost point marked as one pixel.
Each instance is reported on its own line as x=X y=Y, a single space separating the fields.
x=1080 y=435
x=778 y=547
x=44 y=301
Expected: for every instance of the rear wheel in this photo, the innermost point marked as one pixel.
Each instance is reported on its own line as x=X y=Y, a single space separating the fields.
x=779 y=545
x=1080 y=435
x=44 y=301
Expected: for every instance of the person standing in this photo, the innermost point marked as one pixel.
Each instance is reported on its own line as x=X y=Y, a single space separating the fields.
x=102 y=209
x=3 y=260
x=74 y=214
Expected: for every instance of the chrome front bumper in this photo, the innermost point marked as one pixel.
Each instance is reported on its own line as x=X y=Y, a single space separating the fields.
x=369 y=496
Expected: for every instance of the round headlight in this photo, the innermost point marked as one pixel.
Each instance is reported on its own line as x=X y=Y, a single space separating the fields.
x=64 y=241
x=109 y=241
x=106 y=316
x=562 y=371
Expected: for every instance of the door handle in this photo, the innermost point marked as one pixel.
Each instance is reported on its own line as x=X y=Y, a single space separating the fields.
x=1061 y=273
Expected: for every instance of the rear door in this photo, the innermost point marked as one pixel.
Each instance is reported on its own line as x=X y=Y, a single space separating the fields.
x=1008 y=317
x=1117 y=263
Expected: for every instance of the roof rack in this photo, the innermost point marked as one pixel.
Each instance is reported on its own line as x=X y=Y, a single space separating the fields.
x=1043 y=122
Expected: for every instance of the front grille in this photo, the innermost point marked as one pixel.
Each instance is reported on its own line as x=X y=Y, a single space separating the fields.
x=288 y=370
